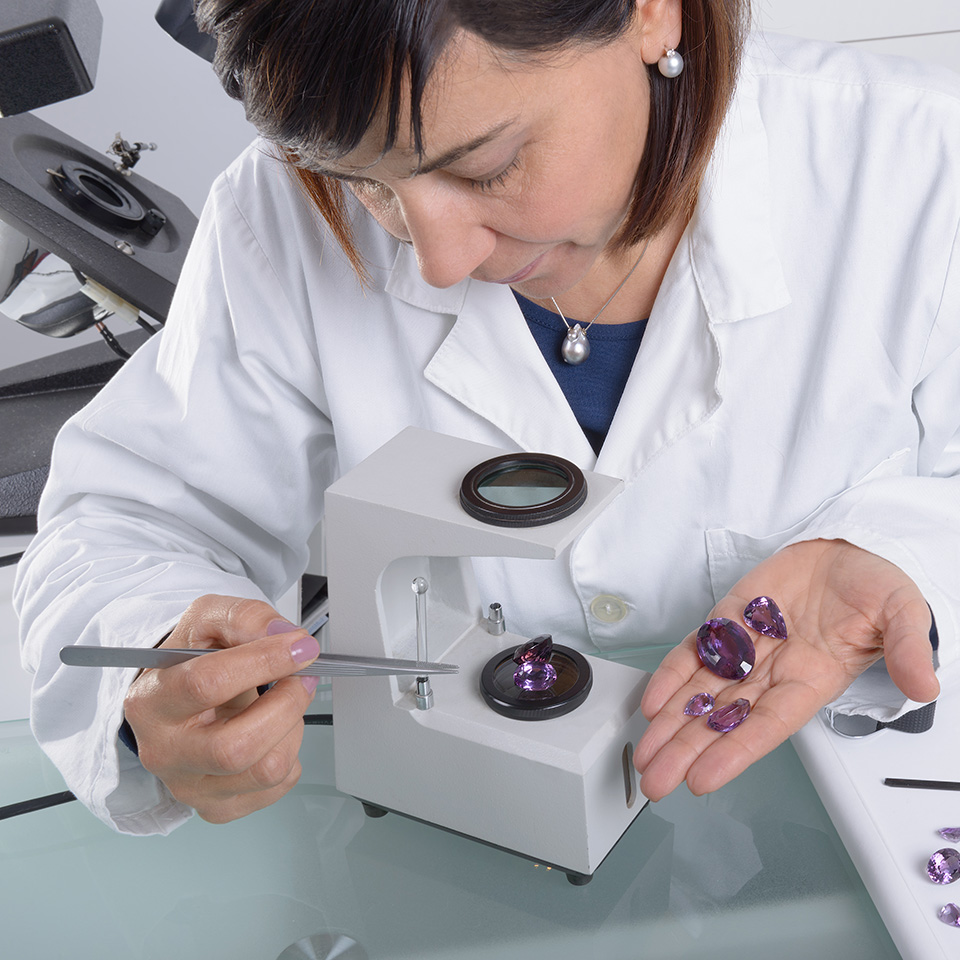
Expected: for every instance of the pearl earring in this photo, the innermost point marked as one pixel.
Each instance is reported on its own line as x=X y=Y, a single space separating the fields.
x=670 y=64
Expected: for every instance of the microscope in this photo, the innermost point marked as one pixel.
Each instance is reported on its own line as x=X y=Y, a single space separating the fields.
x=123 y=237
x=529 y=747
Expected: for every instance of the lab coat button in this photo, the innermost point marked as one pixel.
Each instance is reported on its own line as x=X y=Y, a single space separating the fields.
x=608 y=609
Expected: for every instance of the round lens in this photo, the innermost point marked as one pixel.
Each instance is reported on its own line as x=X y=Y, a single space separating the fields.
x=523 y=490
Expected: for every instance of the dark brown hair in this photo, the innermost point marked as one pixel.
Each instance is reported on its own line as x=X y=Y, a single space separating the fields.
x=314 y=75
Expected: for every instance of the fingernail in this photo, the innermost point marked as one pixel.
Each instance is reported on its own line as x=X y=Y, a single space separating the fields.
x=305 y=649
x=279 y=626
x=310 y=684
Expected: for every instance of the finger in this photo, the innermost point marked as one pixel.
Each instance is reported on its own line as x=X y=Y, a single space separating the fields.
x=191 y=688
x=219 y=621
x=676 y=670
x=223 y=810
x=908 y=653
x=238 y=744
x=708 y=760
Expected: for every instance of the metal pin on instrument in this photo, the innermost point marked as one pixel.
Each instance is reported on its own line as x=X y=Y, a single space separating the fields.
x=424 y=691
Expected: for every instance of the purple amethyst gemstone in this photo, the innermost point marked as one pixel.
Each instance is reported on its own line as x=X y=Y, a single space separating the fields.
x=950 y=834
x=537 y=650
x=726 y=649
x=699 y=705
x=727 y=718
x=950 y=914
x=535 y=676
x=763 y=615
x=944 y=866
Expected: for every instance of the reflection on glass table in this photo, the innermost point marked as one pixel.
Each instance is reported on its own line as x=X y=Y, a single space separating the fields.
x=755 y=870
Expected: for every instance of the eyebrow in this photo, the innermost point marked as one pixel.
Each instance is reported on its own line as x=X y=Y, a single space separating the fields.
x=444 y=160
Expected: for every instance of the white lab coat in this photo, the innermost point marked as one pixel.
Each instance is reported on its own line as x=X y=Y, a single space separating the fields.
x=799 y=378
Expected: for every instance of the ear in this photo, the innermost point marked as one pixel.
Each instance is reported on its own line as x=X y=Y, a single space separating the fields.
x=660 y=27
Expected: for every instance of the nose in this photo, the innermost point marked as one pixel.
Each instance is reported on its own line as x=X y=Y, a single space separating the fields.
x=448 y=237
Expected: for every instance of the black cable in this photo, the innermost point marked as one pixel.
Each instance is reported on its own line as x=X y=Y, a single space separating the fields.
x=112 y=341
x=10 y=559
x=38 y=803
x=318 y=719
x=146 y=326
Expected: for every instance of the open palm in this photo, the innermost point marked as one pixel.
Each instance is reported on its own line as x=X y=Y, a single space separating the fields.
x=845 y=608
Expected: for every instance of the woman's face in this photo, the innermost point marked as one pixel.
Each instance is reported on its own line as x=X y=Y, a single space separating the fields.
x=528 y=168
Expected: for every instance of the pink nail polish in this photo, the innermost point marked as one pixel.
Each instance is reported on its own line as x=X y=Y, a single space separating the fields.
x=305 y=649
x=310 y=684
x=279 y=626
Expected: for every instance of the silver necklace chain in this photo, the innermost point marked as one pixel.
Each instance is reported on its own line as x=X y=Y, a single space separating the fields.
x=575 y=348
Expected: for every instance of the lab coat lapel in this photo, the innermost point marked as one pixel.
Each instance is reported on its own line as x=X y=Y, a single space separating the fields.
x=725 y=269
x=490 y=363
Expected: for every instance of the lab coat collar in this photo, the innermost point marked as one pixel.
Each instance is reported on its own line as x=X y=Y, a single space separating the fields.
x=733 y=245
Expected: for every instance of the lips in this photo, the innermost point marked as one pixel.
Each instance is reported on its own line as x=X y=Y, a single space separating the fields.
x=524 y=273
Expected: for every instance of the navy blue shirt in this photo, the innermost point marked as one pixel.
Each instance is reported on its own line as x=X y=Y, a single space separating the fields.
x=593 y=389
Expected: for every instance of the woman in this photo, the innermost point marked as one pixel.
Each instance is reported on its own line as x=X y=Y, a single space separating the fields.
x=444 y=189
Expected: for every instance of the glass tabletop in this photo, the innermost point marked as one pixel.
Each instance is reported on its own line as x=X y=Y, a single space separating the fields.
x=754 y=870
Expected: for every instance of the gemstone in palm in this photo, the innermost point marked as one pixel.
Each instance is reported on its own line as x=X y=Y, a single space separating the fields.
x=699 y=705
x=763 y=615
x=725 y=719
x=726 y=649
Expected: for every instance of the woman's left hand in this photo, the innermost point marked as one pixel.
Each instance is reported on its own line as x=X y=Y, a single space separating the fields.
x=844 y=608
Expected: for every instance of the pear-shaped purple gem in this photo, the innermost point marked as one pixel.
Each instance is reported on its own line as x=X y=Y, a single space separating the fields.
x=725 y=719
x=699 y=705
x=726 y=649
x=763 y=615
x=537 y=650
x=944 y=866
x=950 y=834
x=950 y=913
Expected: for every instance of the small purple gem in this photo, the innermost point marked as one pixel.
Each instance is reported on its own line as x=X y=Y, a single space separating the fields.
x=535 y=676
x=763 y=615
x=726 y=649
x=729 y=717
x=537 y=650
x=944 y=866
x=699 y=705
x=950 y=914
x=951 y=834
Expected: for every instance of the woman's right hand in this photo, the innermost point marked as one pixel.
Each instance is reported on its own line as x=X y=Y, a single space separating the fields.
x=202 y=728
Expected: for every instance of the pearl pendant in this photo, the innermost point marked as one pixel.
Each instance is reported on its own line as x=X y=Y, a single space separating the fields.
x=575 y=348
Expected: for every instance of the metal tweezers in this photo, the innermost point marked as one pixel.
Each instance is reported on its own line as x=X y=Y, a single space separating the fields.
x=326 y=665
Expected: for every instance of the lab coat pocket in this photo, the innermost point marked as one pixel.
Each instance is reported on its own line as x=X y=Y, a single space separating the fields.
x=731 y=554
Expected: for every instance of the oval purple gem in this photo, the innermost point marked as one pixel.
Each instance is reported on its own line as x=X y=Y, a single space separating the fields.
x=944 y=866
x=727 y=718
x=763 y=615
x=699 y=705
x=726 y=649
x=535 y=676
x=950 y=913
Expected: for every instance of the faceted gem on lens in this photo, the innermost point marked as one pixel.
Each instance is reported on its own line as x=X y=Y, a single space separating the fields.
x=729 y=717
x=726 y=649
x=537 y=650
x=535 y=676
x=763 y=615
x=950 y=834
x=950 y=914
x=944 y=866
x=535 y=673
x=699 y=705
